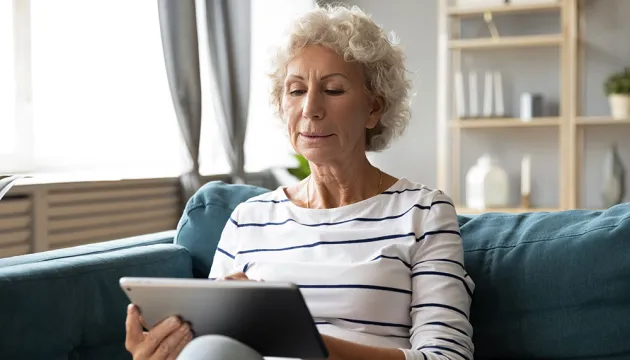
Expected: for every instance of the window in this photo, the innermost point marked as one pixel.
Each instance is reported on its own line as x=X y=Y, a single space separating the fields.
x=7 y=81
x=100 y=95
x=266 y=143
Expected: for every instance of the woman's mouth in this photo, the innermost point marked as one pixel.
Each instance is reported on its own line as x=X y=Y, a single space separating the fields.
x=315 y=136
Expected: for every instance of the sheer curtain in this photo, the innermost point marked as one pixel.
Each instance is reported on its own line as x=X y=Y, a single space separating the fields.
x=266 y=143
x=101 y=100
x=7 y=82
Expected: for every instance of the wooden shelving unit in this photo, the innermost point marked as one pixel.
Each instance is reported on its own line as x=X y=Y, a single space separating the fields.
x=454 y=11
x=567 y=123
x=600 y=120
x=506 y=42
x=475 y=123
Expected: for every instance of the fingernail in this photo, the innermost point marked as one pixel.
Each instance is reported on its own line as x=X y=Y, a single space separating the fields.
x=173 y=320
x=130 y=308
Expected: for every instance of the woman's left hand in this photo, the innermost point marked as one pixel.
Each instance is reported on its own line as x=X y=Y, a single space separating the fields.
x=236 y=276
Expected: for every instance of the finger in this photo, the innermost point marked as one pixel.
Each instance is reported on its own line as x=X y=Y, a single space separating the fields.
x=157 y=335
x=168 y=346
x=182 y=344
x=134 y=328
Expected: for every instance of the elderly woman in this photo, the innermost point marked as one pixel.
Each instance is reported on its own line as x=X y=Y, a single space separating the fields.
x=378 y=259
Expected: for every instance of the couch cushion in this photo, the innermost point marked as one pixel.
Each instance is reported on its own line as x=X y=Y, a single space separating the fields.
x=163 y=237
x=73 y=308
x=204 y=218
x=550 y=285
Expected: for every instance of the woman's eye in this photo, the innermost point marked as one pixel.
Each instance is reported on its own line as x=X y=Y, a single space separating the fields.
x=296 y=92
x=334 y=92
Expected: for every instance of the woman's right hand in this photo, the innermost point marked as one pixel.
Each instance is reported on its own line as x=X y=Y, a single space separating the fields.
x=164 y=342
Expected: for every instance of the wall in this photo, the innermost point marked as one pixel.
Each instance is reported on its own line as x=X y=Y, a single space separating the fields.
x=606 y=50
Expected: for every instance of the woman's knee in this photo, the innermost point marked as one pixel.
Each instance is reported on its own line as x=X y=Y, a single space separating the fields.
x=215 y=347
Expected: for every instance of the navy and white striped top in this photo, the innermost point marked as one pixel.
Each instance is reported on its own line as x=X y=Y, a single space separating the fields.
x=387 y=271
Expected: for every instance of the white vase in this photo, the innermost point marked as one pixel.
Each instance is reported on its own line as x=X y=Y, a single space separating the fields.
x=619 y=106
x=486 y=185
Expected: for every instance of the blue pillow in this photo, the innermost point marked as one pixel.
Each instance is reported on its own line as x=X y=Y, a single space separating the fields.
x=204 y=218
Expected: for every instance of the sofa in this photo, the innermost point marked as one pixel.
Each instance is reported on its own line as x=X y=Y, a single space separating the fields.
x=548 y=285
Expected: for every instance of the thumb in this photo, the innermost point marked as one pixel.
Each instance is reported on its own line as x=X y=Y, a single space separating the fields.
x=134 y=327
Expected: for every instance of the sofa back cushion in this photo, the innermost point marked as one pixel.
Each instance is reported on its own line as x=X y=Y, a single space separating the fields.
x=205 y=216
x=550 y=285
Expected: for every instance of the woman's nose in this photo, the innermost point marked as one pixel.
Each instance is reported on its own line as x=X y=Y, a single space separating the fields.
x=313 y=107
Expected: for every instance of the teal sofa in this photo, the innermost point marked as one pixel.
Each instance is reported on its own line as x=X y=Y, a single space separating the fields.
x=548 y=285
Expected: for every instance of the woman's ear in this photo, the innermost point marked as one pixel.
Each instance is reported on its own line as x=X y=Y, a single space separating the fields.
x=377 y=108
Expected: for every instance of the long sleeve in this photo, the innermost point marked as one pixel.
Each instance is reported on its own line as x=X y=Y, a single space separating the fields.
x=224 y=256
x=441 y=289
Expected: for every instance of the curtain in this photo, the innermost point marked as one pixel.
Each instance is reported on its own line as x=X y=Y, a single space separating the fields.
x=228 y=29
x=178 y=25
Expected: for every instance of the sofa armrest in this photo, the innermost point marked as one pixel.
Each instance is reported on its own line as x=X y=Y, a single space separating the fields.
x=164 y=237
x=73 y=307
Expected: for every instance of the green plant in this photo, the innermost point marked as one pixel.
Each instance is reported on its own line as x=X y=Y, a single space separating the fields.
x=618 y=83
x=303 y=170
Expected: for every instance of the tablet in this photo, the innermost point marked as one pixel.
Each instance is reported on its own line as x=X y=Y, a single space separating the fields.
x=272 y=318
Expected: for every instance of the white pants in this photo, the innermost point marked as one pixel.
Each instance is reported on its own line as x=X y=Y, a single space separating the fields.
x=217 y=347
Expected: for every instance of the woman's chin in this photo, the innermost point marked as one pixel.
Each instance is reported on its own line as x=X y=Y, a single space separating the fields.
x=320 y=155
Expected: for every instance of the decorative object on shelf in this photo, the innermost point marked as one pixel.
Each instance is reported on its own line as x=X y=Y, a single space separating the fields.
x=526 y=182
x=487 y=185
x=493 y=105
x=492 y=27
x=531 y=106
x=613 y=184
x=499 y=108
x=473 y=98
x=460 y=98
x=487 y=95
x=617 y=88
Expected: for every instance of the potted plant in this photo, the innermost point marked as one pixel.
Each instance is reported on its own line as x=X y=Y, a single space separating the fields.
x=302 y=170
x=617 y=87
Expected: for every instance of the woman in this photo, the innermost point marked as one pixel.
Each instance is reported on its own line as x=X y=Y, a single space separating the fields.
x=379 y=260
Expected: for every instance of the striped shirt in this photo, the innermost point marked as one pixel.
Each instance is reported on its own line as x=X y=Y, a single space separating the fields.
x=387 y=271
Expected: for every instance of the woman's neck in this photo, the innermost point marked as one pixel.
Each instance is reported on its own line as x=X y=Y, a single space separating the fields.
x=331 y=186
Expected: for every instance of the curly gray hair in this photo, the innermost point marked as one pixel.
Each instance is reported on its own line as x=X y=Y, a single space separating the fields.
x=355 y=36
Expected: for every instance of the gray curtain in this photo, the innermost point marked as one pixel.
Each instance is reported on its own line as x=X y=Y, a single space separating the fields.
x=229 y=27
x=178 y=27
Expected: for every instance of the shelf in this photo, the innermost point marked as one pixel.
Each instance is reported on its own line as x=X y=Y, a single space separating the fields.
x=503 y=9
x=600 y=120
x=505 y=42
x=466 y=211
x=473 y=123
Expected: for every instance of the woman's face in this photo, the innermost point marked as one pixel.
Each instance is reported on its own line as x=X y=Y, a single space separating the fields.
x=326 y=106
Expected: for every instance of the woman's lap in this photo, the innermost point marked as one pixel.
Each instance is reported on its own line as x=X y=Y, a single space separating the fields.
x=215 y=347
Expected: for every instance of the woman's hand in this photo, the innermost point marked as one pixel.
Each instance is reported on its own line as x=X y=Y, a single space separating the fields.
x=236 y=276
x=164 y=342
